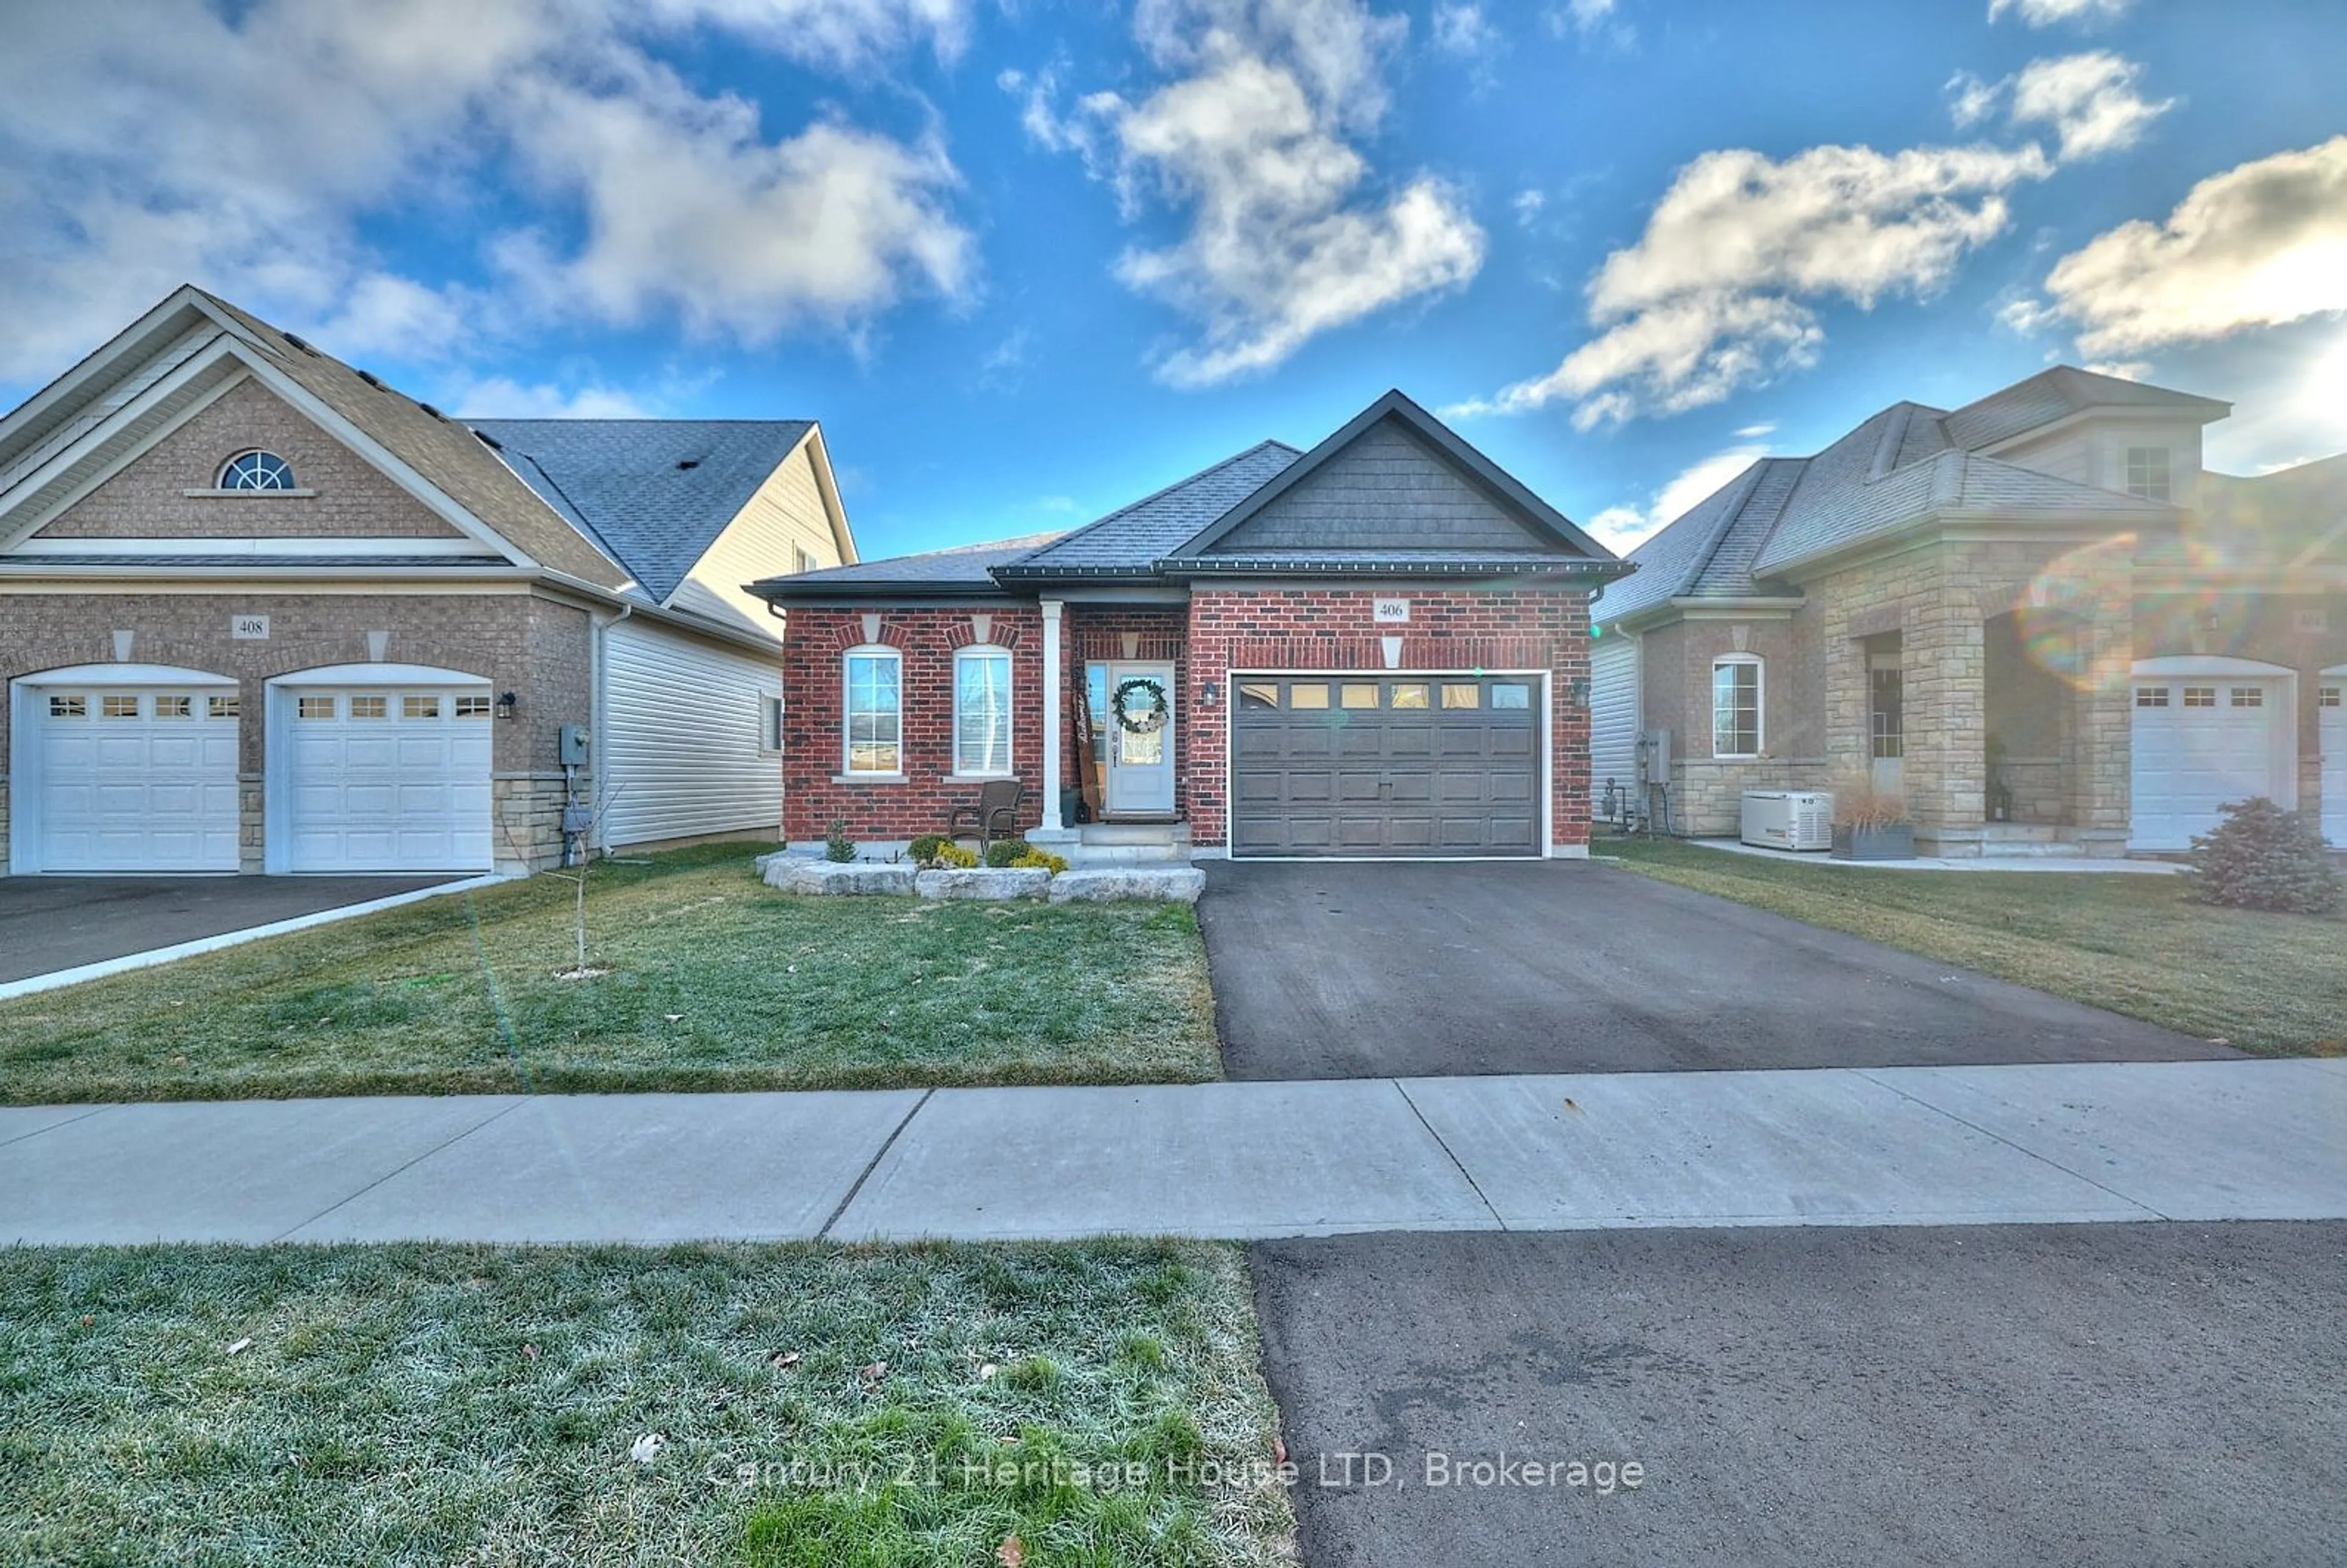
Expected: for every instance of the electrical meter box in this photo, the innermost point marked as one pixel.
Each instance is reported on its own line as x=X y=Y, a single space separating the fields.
x=572 y=745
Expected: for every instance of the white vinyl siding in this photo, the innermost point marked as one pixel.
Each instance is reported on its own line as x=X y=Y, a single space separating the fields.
x=685 y=738
x=1613 y=715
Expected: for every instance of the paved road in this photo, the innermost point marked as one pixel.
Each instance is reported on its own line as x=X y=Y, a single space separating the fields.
x=51 y=923
x=1916 y=1146
x=2045 y=1394
x=1353 y=970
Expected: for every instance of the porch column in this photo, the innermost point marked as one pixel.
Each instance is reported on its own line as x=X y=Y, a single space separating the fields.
x=1054 y=704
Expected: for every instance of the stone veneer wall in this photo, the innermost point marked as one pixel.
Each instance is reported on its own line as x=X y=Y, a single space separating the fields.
x=1317 y=628
x=815 y=790
x=537 y=648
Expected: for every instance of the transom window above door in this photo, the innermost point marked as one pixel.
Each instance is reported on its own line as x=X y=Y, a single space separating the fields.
x=256 y=470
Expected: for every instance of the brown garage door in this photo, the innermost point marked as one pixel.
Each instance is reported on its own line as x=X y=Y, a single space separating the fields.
x=1375 y=765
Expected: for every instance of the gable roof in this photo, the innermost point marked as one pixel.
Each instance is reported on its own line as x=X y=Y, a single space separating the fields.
x=445 y=454
x=654 y=493
x=1902 y=464
x=1543 y=523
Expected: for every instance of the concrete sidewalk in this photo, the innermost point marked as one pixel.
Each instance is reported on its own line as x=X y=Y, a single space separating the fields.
x=1935 y=1145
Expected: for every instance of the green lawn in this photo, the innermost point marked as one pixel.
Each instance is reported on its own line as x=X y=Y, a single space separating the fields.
x=715 y=981
x=849 y=1408
x=2274 y=984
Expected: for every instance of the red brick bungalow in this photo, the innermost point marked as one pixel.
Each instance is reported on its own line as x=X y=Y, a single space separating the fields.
x=1375 y=648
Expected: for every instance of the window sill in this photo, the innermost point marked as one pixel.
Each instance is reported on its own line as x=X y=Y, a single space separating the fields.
x=867 y=778
x=976 y=778
x=250 y=494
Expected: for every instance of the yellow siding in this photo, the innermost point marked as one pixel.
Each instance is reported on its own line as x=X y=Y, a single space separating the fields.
x=786 y=516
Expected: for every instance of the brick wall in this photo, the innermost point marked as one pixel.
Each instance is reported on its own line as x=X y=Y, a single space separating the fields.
x=149 y=499
x=538 y=648
x=813 y=793
x=1255 y=628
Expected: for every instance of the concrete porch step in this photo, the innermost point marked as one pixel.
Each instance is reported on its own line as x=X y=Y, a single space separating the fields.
x=1129 y=844
x=2023 y=832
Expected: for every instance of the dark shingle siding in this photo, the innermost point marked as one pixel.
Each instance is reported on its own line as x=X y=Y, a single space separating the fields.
x=620 y=481
x=1386 y=490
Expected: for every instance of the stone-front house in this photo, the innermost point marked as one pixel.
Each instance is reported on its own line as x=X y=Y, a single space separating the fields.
x=1378 y=648
x=2037 y=615
x=260 y=611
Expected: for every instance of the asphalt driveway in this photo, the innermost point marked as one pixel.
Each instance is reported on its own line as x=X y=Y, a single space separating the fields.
x=51 y=923
x=1351 y=970
x=2143 y=1394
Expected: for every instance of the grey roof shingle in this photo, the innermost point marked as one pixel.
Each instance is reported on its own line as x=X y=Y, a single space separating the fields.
x=1136 y=536
x=964 y=566
x=2056 y=392
x=654 y=493
x=1905 y=461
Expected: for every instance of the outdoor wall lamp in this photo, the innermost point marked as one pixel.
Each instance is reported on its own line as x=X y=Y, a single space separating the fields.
x=507 y=703
x=1209 y=694
x=1581 y=691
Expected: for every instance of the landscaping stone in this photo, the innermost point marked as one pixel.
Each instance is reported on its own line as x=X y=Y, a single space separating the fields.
x=1105 y=884
x=980 y=882
x=838 y=876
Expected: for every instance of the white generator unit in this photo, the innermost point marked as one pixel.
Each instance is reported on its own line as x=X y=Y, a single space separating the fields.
x=1788 y=819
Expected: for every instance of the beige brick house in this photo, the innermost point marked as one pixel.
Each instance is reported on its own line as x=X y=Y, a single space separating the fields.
x=260 y=611
x=2036 y=615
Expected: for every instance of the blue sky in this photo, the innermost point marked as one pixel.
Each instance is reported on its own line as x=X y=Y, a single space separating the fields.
x=1028 y=260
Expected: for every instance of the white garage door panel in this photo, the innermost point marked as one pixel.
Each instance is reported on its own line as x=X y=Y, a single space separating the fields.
x=396 y=792
x=2200 y=742
x=150 y=789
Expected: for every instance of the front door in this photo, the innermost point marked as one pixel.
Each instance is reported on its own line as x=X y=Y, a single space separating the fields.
x=1139 y=760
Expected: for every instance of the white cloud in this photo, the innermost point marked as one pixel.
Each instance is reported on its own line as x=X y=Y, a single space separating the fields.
x=2089 y=99
x=1715 y=294
x=1527 y=205
x=1285 y=238
x=1461 y=27
x=501 y=397
x=1970 y=99
x=1582 y=16
x=1754 y=432
x=2258 y=245
x=244 y=150
x=2046 y=13
x=688 y=207
x=1623 y=527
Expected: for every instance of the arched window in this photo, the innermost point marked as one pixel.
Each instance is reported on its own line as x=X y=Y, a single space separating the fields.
x=256 y=470
x=874 y=710
x=1736 y=706
x=982 y=712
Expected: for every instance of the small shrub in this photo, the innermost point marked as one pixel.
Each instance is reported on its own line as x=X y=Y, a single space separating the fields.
x=837 y=845
x=952 y=858
x=2263 y=857
x=1858 y=803
x=1005 y=852
x=1041 y=860
x=923 y=851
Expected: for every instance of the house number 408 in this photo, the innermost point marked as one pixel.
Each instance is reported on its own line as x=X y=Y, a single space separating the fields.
x=248 y=628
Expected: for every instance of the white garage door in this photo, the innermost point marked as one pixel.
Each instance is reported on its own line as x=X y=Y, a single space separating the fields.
x=2201 y=741
x=386 y=779
x=2332 y=700
x=134 y=778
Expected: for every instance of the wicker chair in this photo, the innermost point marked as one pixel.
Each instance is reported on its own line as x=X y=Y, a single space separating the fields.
x=995 y=814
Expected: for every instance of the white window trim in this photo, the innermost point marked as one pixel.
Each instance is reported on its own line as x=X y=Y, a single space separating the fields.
x=1759 y=707
x=770 y=720
x=1009 y=711
x=849 y=773
x=2166 y=462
